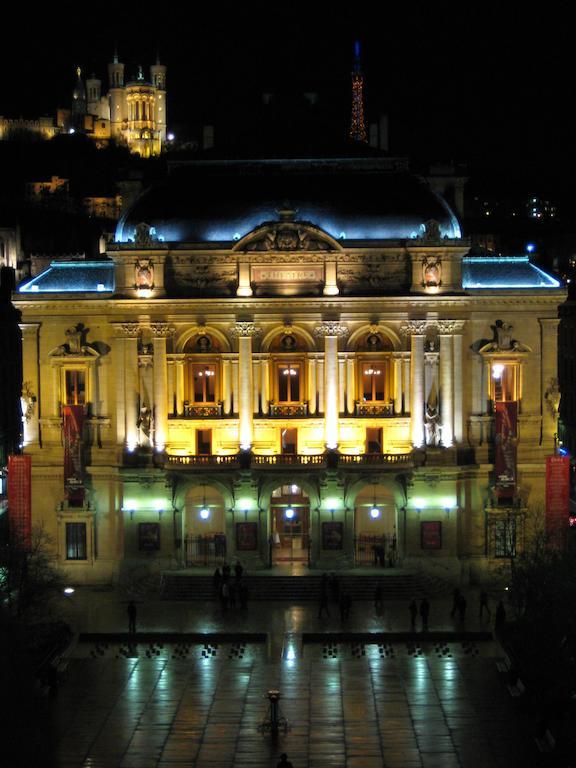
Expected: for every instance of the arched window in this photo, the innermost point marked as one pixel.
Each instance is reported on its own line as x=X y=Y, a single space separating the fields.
x=202 y=377
x=375 y=370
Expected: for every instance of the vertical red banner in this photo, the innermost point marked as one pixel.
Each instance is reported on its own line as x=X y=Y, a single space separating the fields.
x=73 y=425
x=557 y=496
x=20 y=498
x=506 y=439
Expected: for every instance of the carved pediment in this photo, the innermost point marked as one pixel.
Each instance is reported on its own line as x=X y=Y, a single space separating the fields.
x=287 y=236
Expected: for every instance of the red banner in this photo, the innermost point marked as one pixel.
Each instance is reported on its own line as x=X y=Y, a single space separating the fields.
x=506 y=439
x=20 y=498
x=73 y=425
x=557 y=495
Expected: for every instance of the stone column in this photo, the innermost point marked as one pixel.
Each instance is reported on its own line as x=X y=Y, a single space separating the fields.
x=234 y=387
x=244 y=332
x=446 y=384
x=416 y=329
x=171 y=386
x=311 y=386
x=320 y=385
x=227 y=387
x=256 y=386
x=160 y=332
x=342 y=385
x=350 y=388
x=265 y=386
x=30 y=383
x=331 y=331
x=458 y=387
x=131 y=332
x=180 y=363
x=406 y=375
x=397 y=361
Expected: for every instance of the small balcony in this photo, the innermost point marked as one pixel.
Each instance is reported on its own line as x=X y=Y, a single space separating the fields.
x=198 y=461
x=304 y=460
x=378 y=410
x=373 y=459
x=200 y=411
x=288 y=410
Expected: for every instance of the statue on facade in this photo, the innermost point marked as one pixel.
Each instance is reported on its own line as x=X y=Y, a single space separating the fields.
x=432 y=273
x=144 y=423
x=503 y=335
x=432 y=425
x=144 y=234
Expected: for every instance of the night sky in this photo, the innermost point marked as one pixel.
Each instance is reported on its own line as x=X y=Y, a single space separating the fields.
x=488 y=87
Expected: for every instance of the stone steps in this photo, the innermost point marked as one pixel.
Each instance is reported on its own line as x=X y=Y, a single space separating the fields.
x=400 y=587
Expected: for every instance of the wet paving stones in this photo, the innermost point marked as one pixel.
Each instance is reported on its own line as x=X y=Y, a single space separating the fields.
x=348 y=705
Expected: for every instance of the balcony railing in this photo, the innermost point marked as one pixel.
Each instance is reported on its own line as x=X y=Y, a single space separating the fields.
x=294 y=460
x=204 y=461
x=289 y=460
x=200 y=411
x=374 y=459
x=380 y=410
x=288 y=410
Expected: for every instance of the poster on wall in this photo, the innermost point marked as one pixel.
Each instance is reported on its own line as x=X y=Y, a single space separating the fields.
x=20 y=498
x=73 y=425
x=246 y=537
x=431 y=534
x=505 y=440
x=557 y=495
x=148 y=537
x=332 y=535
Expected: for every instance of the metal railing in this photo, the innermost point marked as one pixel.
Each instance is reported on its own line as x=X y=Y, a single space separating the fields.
x=258 y=461
x=289 y=460
x=205 y=550
x=375 y=550
x=374 y=459
x=197 y=460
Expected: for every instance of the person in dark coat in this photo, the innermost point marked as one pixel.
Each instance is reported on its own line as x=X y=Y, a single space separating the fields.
x=500 y=615
x=217 y=580
x=424 y=613
x=455 y=601
x=284 y=762
x=483 y=606
x=334 y=588
x=131 y=611
x=226 y=572
x=462 y=608
x=413 y=608
x=238 y=570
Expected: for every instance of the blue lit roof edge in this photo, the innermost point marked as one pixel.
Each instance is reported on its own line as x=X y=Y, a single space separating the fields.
x=552 y=282
x=27 y=287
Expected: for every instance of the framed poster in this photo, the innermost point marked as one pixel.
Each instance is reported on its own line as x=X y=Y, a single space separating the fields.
x=246 y=537
x=148 y=537
x=431 y=535
x=332 y=535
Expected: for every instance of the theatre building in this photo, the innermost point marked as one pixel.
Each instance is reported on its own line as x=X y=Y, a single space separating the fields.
x=289 y=361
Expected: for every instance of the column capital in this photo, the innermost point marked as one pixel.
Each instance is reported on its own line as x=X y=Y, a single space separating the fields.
x=448 y=327
x=126 y=330
x=161 y=330
x=245 y=330
x=331 y=328
x=414 y=327
x=29 y=330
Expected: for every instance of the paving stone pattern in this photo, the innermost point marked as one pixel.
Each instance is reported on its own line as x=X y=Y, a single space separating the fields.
x=349 y=705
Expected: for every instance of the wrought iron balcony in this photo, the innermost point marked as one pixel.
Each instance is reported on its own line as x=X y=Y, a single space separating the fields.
x=287 y=410
x=200 y=411
x=380 y=410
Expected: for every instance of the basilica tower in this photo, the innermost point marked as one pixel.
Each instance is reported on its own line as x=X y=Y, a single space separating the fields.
x=117 y=97
x=158 y=78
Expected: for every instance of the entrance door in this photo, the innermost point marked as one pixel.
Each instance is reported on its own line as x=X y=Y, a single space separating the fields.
x=290 y=519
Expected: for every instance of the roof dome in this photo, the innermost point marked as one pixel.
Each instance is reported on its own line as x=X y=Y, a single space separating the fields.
x=352 y=199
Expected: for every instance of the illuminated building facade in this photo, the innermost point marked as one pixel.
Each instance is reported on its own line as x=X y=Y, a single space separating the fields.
x=289 y=360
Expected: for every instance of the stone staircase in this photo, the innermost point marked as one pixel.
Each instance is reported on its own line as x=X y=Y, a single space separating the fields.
x=399 y=586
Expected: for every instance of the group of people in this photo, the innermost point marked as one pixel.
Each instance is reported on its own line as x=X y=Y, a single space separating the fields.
x=423 y=610
x=231 y=591
x=331 y=591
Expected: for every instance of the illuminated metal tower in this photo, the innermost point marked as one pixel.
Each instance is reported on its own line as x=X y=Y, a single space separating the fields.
x=357 y=125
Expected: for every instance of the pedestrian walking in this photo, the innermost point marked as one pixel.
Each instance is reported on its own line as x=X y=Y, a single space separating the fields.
x=238 y=571
x=462 y=608
x=284 y=762
x=243 y=595
x=378 y=598
x=131 y=611
x=232 y=592
x=484 y=605
x=226 y=572
x=217 y=580
x=413 y=608
x=500 y=615
x=424 y=613
x=347 y=605
x=334 y=585
x=455 y=601
x=224 y=595
x=323 y=606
